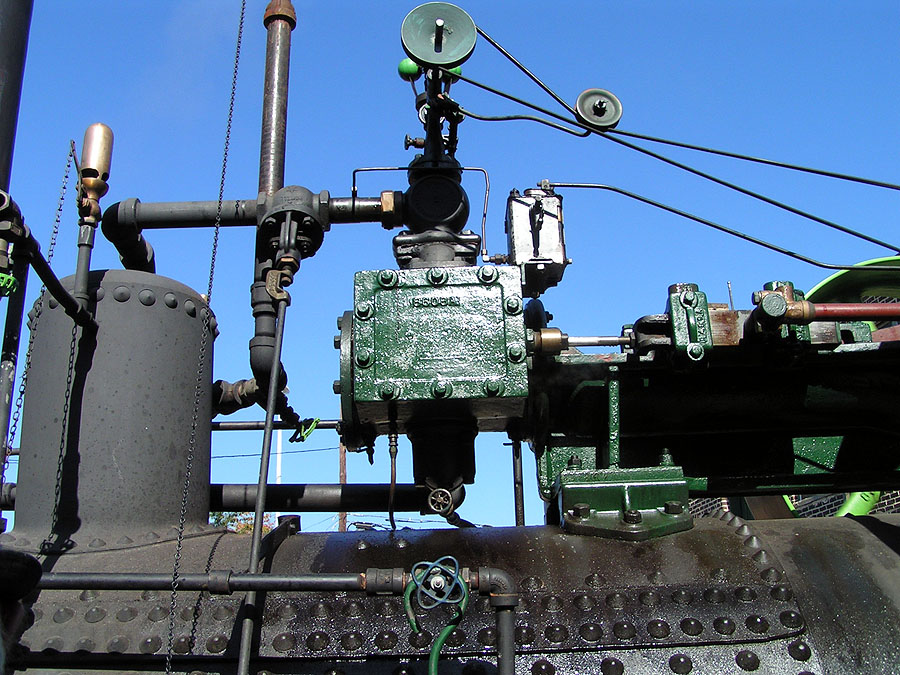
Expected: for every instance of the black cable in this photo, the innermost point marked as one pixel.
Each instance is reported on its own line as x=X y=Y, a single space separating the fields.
x=530 y=118
x=723 y=228
x=758 y=160
x=284 y=452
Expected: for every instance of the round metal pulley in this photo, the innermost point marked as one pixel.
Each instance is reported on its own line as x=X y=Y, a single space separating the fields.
x=598 y=108
x=438 y=34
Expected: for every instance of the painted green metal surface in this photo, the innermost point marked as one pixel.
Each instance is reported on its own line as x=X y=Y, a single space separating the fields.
x=688 y=312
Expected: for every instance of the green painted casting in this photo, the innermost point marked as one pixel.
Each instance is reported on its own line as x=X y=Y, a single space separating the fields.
x=688 y=312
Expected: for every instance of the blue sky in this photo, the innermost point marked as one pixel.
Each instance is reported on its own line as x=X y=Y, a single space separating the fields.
x=806 y=82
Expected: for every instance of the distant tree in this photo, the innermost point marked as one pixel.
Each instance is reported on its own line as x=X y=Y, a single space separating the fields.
x=241 y=522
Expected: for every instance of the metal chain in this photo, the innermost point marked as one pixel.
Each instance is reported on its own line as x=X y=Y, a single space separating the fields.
x=48 y=546
x=206 y=315
x=38 y=310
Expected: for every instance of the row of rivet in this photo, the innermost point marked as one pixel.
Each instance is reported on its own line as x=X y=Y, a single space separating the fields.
x=126 y=614
x=125 y=540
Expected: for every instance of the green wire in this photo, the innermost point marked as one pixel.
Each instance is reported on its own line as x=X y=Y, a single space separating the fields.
x=438 y=644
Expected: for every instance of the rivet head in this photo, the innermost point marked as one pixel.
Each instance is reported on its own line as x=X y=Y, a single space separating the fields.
x=456 y=638
x=147 y=297
x=149 y=595
x=85 y=645
x=524 y=635
x=680 y=664
x=799 y=650
x=54 y=303
x=543 y=667
x=782 y=592
x=171 y=300
x=532 y=583
x=743 y=530
x=593 y=581
x=493 y=387
x=487 y=275
x=320 y=610
x=724 y=625
x=591 y=632
x=770 y=575
x=364 y=310
x=624 y=630
x=95 y=614
x=386 y=640
x=187 y=613
x=752 y=541
x=351 y=641
x=389 y=391
x=157 y=613
x=87 y=594
x=437 y=276
x=317 y=641
x=54 y=644
x=713 y=596
x=616 y=600
x=387 y=278
x=190 y=308
x=745 y=594
x=182 y=644
x=691 y=626
x=62 y=615
x=761 y=556
x=584 y=603
x=364 y=357
x=353 y=608
x=148 y=645
x=441 y=389
x=122 y=293
x=632 y=516
x=422 y=639
x=556 y=633
x=516 y=353
x=512 y=305
x=757 y=624
x=552 y=603
x=224 y=613
x=611 y=666
x=649 y=599
x=658 y=629
x=119 y=645
x=790 y=619
x=386 y=608
x=718 y=574
x=284 y=642
x=217 y=644
x=486 y=636
x=747 y=660
x=682 y=597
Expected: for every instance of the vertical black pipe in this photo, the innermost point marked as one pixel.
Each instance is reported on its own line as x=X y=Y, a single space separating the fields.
x=8 y=356
x=279 y=20
x=249 y=622
x=15 y=21
x=506 y=640
x=518 y=491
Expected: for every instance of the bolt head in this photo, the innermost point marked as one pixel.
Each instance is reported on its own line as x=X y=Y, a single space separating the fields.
x=516 y=353
x=336 y=386
x=387 y=278
x=632 y=516
x=388 y=391
x=688 y=298
x=363 y=357
x=487 y=274
x=364 y=310
x=581 y=510
x=441 y=389
x=437 y=276
x=493 y=388
x=674 y=508
x=695 y=352
x=513 y=305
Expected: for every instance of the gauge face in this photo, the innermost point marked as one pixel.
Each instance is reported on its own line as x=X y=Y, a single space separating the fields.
x=438 y=34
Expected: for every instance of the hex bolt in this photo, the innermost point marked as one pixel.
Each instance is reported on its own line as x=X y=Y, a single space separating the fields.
x=756 y=297
x=487 y=274
x=437 y=276
x=363 y=357
x=364 y=310
x=512 y=305
x=387 y=278
x=673 y=508
x=388 y=391
x=581 y=510
x=441 y=389
x=516 y=353
x=493 y=388
x=336 y=386
x=688 y=298
x=632 y=516
x=574 y=462
x=337 y=341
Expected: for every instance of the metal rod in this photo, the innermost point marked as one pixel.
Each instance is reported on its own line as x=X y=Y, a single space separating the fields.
x=249 y=620
x=856 y=311
x=354 y=210
x=518 y=489
x=598 y=341
x=311 y=497
x=280 y=19
x=10 y=351
x=259 y=426
x=506 y=640
x=15 y=22
x=221 y=582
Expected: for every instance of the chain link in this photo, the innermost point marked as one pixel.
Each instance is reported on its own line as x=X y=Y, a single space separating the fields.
x=38 y=310
x=206 y=314
x=48 y=546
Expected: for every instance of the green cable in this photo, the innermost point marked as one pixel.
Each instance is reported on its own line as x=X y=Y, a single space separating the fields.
x=438 y=644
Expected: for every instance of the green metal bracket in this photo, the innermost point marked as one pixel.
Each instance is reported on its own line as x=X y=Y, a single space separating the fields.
x=688 y=312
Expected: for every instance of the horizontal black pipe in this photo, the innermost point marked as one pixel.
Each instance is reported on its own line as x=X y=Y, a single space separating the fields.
x=161 y=215
x=354 y=210
x=259 y=426
x=325 y=498
x=214 y=582
x=71 y=306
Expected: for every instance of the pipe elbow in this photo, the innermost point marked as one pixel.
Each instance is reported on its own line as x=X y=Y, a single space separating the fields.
x=499 y=585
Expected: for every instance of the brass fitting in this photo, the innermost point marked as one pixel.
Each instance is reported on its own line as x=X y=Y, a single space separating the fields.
x=96 y=158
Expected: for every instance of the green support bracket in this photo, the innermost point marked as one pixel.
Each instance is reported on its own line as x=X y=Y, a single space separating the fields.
x=688 y=312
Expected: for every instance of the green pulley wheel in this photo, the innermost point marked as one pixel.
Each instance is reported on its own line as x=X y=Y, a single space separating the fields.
x=438 y=34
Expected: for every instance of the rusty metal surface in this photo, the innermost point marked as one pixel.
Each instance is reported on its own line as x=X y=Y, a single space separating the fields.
x=818 y=595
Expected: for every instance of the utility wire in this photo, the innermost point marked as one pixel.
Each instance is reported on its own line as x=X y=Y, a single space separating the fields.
x=284 y=452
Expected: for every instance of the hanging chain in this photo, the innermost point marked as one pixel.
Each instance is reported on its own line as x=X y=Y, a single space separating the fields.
x=48 y=546
x=206 y=315
x=35 y=317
